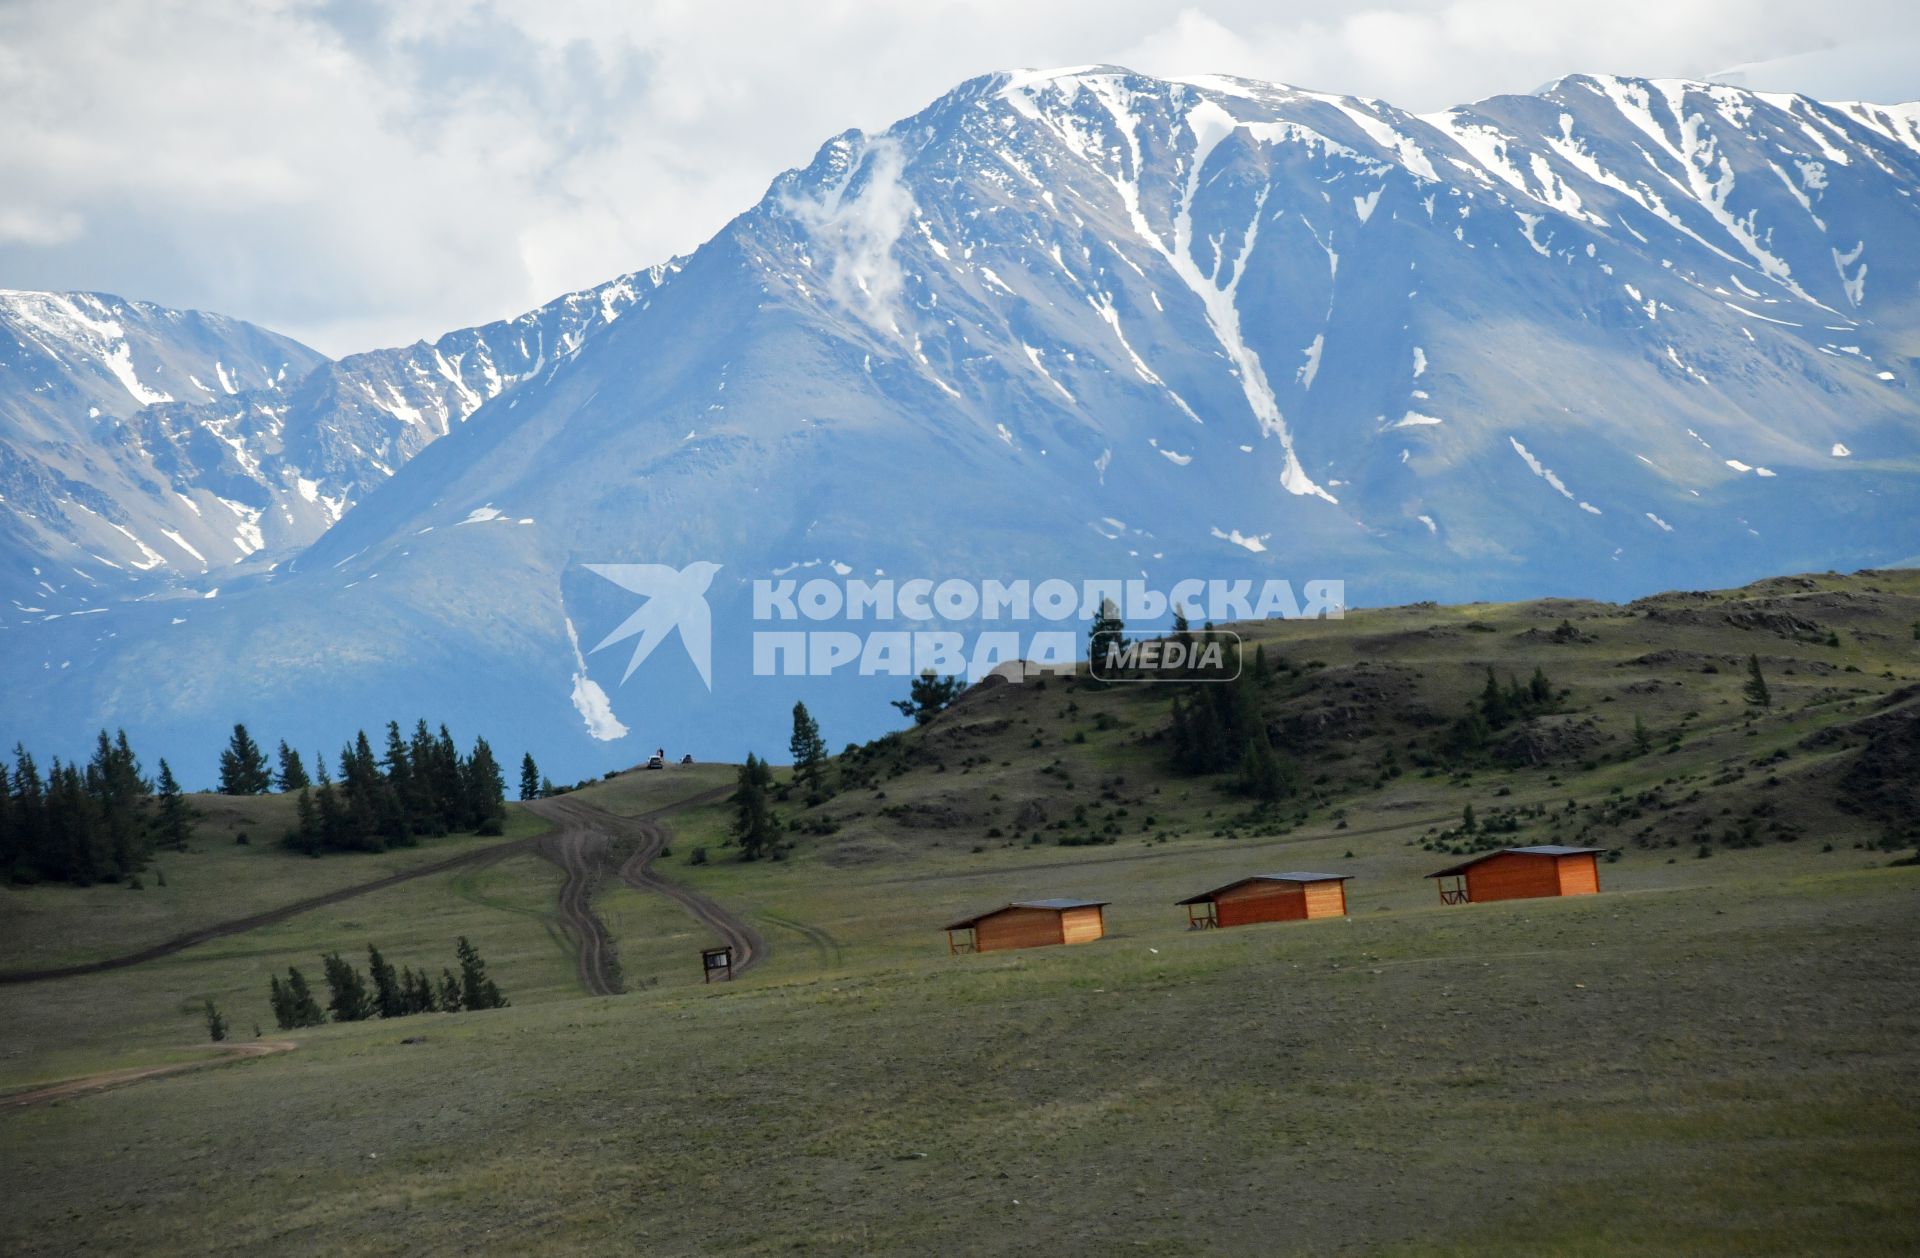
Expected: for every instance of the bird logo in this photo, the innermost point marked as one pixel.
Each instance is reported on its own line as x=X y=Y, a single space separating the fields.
x=676 y=599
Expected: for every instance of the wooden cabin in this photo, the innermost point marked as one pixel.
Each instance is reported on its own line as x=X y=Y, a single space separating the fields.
x=1521 y=873
x=1294 y=897
x=1030 y=924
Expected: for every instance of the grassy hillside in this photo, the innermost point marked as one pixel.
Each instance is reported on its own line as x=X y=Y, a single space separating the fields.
x=1714 y=1055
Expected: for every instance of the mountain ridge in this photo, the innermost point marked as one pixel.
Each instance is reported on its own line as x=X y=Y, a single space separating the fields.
x=1622 y=337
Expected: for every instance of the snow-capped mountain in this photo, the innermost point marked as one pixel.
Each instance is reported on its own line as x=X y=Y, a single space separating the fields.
x=1613 y=336
x=148 y=448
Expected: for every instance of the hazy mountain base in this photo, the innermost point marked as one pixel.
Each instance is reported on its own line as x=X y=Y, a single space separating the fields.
x=1706 y=1057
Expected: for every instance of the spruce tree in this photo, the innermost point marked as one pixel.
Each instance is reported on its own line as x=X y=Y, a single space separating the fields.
x=753 y=825
x=176 y=815
x=1106 y=636
x=389 y=1001
x=1756 y=687
x=1494 y=705
x=282 y=1008
x=529 y=777
x=216 y=1021
x=243 y=766
x=477 y=991
x=293 y=774
x=302 y=1008
x=347 y=990
x=809 y=750
x=450 y=992
x=486 y=790
x=306 y=836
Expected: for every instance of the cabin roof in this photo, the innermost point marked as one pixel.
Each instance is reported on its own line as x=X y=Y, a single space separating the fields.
x=1543 y=849
x=1296 y=876
x=1057 y=905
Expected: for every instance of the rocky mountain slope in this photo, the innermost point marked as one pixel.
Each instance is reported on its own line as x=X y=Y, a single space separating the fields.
x=1615 y=336
x=148 y=449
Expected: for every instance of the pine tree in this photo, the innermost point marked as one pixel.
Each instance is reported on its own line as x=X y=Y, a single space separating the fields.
x=809 y=750
x=1756 y=687
x=450 y=992
x=477 y=991
x=1493 y=702
x=753 y=825
x=282 y=1009
x=1467 y=822
x=9 y=830
x=1106 y=637
x=486 y=790
x=928 y=696
x=176 y=815
x=529 y=777
x=243 y=766
x=216 y=1022
x=1182 y=631
x=307 y=835
x=302 y=1008
x=1263 y=774
x=347 y=990
x=293 y=774
x=389 y=1001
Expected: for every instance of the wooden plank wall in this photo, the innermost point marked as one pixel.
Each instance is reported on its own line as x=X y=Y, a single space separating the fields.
x=1511 y=877
x=1083 y=925
x=1018 y=928
x=1261 y=902
x=1580 y=875
x=1326 y=899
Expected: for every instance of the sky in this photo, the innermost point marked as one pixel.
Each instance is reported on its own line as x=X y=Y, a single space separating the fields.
x=358 y=173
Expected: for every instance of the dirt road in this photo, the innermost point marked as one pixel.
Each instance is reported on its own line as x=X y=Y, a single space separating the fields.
x=584 y=834
x=484 y=856
x=583 y=849
x=105 y=1079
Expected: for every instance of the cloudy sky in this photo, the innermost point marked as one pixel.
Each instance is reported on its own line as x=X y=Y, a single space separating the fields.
x=359 y=172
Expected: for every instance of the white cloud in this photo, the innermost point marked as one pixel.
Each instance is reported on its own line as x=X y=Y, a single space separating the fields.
x=362 y=174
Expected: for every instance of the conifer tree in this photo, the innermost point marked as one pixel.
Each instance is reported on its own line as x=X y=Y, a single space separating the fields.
x=176 y=815
x=1756 y=688
x=1642 y=737
x=389 y=1001
x=282 y=1010
x=243 y=766
x=809 y=750
x=293 y=774
x=347 y=990
x=307 y=836
x=477 y=991
x=929 y=696
x=486 y=790
x=302 y=1008
x=1106 y=636
x=450 y=992
x=529 y=777
x=753 y=825
x=216 y=1021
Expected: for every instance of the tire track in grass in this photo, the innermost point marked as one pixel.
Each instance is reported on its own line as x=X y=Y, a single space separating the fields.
x=581 y=844
x=823 y=943
x=220 y=930
x=105 y=1079
x=650 y=836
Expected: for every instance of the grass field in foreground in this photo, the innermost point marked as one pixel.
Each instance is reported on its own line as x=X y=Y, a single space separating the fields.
x=1678 y=1065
